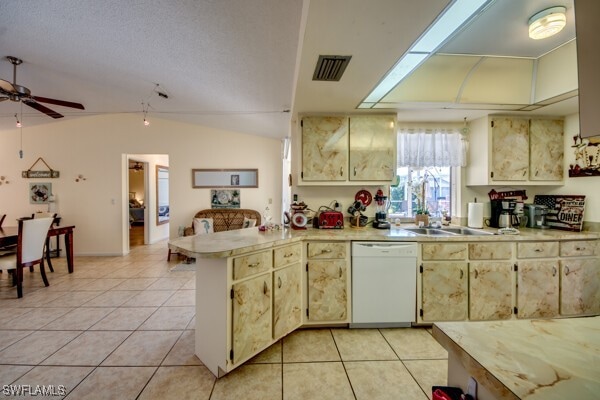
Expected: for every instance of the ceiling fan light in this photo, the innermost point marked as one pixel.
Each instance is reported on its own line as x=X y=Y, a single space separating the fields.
x=547 y=23
x=19 y=125
x=146 y=122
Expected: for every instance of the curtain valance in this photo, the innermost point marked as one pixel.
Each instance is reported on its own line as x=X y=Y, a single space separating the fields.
x=431 y=148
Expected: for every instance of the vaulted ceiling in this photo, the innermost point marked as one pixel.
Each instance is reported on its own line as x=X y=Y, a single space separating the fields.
x=242 y=65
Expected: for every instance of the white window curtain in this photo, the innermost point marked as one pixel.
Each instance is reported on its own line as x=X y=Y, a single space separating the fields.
x=431 y=148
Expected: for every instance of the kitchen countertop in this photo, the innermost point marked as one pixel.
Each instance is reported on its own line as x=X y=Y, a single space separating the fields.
x=231 y=243
x=528 y=359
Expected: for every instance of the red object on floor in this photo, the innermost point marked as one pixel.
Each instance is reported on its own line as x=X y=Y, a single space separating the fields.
x=438 y=394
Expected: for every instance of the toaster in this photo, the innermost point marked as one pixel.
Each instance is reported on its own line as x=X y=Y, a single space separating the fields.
x=329 y=220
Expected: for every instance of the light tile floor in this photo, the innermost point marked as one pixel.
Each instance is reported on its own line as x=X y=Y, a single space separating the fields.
x=123 y=327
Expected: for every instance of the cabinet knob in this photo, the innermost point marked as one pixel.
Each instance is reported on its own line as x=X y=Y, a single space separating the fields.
x=288 y=255
x=279 y=282
x=341 y=171
x=341 y=272
x=265 y=287
x=354 y=171
x=461 y=274
x=524 y=172
x=553 y=271
x=254 y=265
x=567 y=271
x=476 y=274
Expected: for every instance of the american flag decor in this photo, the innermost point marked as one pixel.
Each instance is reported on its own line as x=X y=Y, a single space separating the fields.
x=564 y=212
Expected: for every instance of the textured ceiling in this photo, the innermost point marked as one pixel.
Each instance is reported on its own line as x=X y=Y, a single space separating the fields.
x=228 y=64
x=233 y=64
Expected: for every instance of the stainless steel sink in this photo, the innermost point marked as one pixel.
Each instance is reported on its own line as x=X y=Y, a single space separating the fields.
x=429 y=231
x=447 y=231
x=466 y=231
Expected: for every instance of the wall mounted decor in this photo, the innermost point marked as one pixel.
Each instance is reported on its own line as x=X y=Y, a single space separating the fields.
x=224 y=178
x=39 y=193
x=587 y=157
x=225 y=198
x=40 y=174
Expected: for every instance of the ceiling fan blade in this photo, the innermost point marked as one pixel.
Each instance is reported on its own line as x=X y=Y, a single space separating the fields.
x=58 y=102
x=7 y=87
x=43 y=109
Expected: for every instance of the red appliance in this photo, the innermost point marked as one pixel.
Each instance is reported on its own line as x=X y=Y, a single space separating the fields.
x=329 y=220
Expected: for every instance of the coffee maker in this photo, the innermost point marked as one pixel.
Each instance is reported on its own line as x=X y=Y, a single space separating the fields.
x=381 y=221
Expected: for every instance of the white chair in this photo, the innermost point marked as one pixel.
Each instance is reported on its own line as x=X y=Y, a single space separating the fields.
x=30 y=250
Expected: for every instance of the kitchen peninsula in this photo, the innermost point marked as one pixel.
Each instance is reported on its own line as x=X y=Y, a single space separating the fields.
x=528 y=359
x=253 y=288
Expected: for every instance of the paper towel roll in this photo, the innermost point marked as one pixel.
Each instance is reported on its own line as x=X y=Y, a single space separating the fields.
x=475 y=215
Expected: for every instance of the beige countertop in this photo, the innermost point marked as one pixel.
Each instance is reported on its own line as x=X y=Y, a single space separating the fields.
x=231 y=243
x=528 y=359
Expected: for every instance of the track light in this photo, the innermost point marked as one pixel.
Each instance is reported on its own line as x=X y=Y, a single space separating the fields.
x=19 y=125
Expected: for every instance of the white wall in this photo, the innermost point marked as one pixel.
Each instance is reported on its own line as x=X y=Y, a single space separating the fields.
x=587 y=186
x=97 y=147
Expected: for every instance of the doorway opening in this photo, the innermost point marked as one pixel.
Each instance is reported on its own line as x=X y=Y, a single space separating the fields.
x=138 y=200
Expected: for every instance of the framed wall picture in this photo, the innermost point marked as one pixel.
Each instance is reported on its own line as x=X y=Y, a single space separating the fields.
x=224 y=198
x=39 y=193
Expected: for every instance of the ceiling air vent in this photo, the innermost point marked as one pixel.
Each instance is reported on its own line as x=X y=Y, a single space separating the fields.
x=330 y=68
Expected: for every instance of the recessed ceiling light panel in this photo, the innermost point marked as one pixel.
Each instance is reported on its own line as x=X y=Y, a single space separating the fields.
x=547 y=22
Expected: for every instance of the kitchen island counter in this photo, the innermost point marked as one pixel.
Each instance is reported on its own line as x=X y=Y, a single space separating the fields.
x=527 y=359
x=240 y=241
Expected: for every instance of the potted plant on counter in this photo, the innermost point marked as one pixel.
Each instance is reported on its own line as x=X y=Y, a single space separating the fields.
x=421 y=211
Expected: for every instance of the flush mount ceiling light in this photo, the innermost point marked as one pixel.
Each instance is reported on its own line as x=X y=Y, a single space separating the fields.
x=452 y=19
x=547 y=22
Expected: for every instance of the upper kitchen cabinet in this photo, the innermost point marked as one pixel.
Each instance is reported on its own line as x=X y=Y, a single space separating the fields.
x=588 y=60
x=348 y=151
x=372 y=148
x=325 y=148
x=506 y=150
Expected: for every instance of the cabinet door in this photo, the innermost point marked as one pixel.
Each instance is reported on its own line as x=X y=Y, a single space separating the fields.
x=546 y=150
x=372 y=148
x=325 y=148
x=490 y=290
x=444 y=291
x=327 y=290
x=580 y=286
x=510 y=149
x=537 y=289
x=251 y=330
x=287 y=300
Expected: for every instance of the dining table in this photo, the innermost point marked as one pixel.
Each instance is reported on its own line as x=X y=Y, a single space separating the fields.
x=9 y=236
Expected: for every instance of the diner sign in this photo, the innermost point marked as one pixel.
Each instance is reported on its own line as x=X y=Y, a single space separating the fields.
x=50 y=173
x=565 y=212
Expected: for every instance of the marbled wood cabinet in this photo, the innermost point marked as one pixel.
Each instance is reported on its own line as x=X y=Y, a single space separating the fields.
x=325 y=148
x=490 y=281
x=506 y=280
x=528 y=151
x=444 y=282
x=372 y=148
x=349 y=150
x=247 y=303
x=327 y=282
x=537 y=280
x=579 y=277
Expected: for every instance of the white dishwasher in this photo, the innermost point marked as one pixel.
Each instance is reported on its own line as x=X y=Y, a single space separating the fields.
x=384 y=284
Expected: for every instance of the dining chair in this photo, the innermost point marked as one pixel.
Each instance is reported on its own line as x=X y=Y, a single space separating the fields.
x=32 y=235
x=47 y=247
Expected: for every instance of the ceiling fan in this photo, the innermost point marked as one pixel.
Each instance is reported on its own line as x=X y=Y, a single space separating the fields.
x=14 y=92
x=138 y=166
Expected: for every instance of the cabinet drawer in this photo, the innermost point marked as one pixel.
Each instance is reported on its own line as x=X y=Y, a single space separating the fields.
x=287 y=255
x=579 y=248
x=537 y=250
x=490 y=251
x=326 y=250
x=444 y=251
x=251 y=264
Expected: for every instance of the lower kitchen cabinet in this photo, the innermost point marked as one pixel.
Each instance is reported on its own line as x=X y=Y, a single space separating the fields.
x=580 y=286
x=444 y=288
x=328 y=282
x=287 y=299
x=251 y=316
x=537 y=289
x=490 y=290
